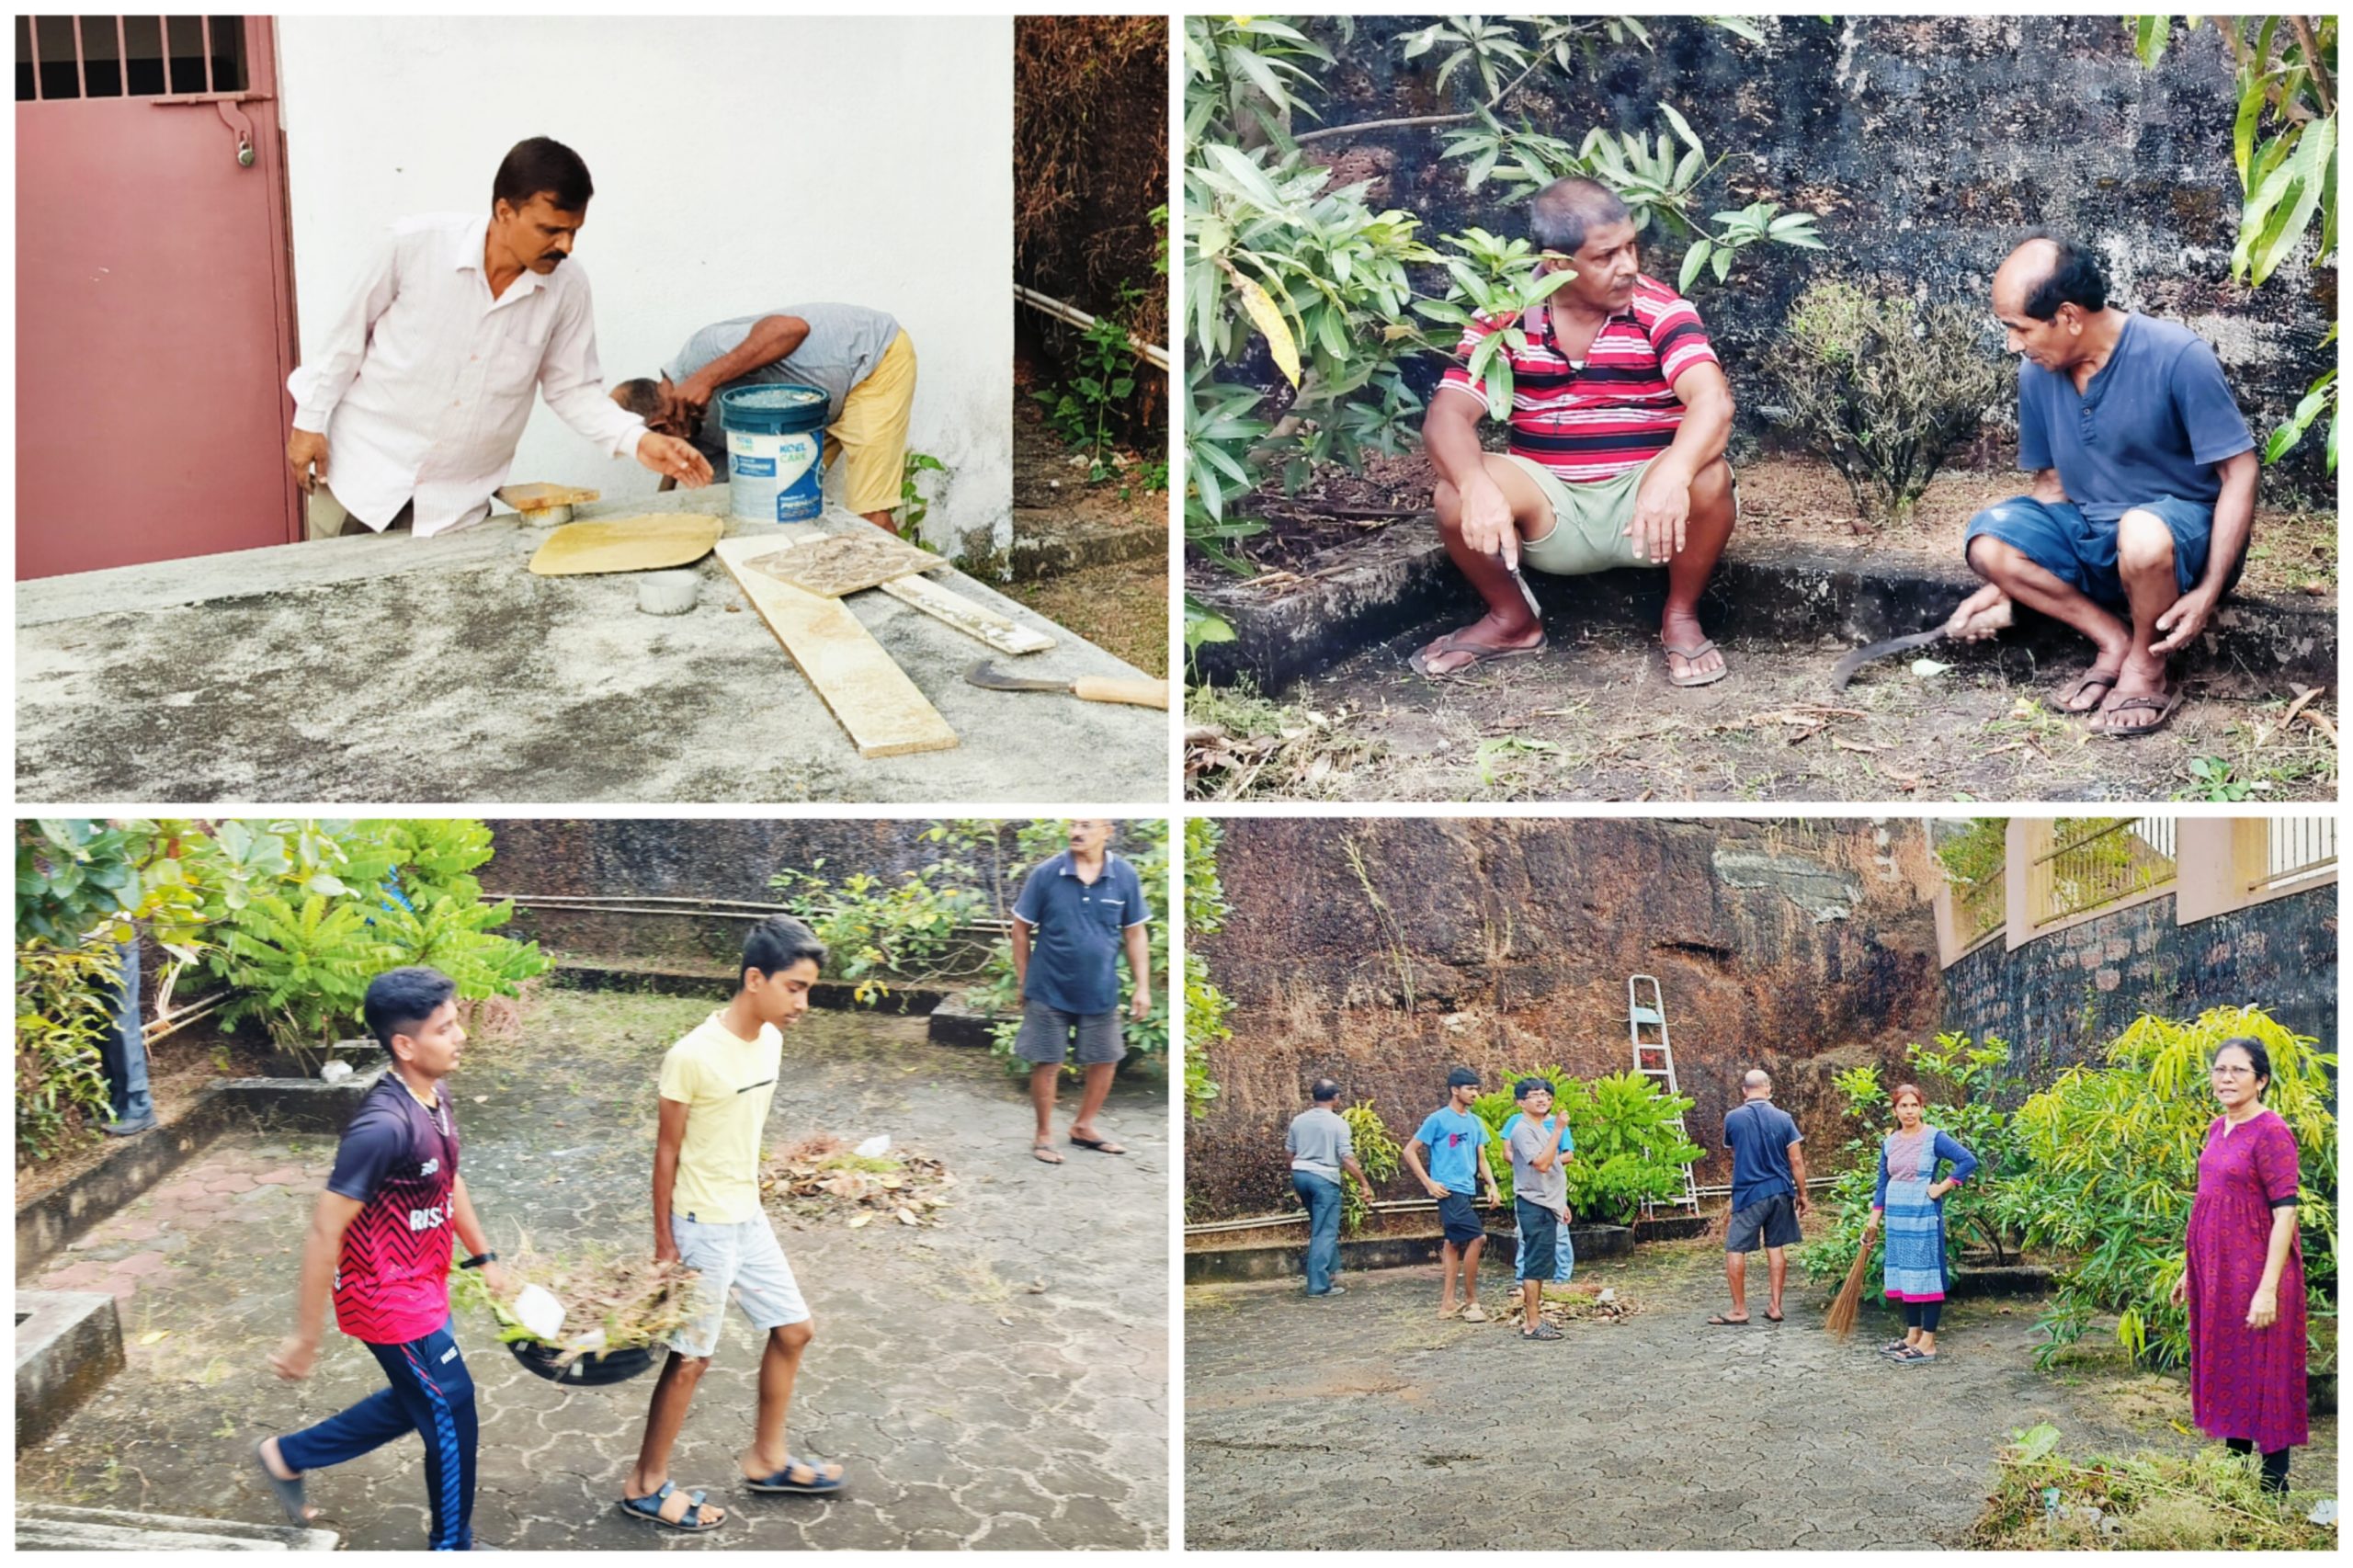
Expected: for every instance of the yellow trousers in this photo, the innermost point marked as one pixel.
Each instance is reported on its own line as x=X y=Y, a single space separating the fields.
x=871 y=434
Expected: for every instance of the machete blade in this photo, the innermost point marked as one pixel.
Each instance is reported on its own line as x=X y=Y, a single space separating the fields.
x=1843 y=670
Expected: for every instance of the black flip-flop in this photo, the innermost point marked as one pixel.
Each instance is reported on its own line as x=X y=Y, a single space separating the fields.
x=288 y=1492
x=1100 y=1146
x=2101 y=681
x=1719 y=1321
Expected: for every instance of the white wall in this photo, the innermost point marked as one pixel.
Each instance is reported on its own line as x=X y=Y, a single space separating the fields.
x=741 y=165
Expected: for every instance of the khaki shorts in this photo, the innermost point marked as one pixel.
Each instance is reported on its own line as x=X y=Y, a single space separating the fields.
x=1590 y=522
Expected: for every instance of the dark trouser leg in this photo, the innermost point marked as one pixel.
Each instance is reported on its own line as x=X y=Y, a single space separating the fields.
x=122 y=1051
x=1323 y=1200
x=2275 y=1463
x=1931 y=1313
x=434 y=1395
x=1912 y=1315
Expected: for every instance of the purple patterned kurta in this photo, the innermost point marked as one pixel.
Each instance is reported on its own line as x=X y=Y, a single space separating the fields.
x=2244 y=1382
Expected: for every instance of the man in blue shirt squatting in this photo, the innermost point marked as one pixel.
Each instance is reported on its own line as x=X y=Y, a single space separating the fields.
x=1768 y=1195
x=1454 y=1142
x=1075 y=916
x=2144 y=495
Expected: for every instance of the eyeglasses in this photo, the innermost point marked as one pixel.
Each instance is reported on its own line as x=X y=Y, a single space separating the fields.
x=2221 y=1072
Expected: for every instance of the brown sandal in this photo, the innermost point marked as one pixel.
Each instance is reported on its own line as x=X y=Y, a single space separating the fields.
x=1691 y=656
x=2101 y=681
x=2163 y=704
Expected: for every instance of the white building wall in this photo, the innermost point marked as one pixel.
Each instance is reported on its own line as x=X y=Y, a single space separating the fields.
x=741 y=165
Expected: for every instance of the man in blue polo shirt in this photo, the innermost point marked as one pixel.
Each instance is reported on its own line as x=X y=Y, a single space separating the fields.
x=1075 y=914
x=2144 y=496
x=1768 y=1195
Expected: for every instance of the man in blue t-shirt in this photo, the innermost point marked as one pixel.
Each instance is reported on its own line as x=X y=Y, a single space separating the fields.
x=1078 y=914
x=1767 y=1194
x=2144 y=496
x=1453 y=1143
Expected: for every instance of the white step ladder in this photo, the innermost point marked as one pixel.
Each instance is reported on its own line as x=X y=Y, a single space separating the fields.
x=1654 y=1060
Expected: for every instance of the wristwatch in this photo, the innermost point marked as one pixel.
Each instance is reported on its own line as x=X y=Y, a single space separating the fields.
x=479 y=1259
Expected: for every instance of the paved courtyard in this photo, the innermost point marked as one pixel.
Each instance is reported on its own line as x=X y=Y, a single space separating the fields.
x=1361 y=1421
x=998 y=1382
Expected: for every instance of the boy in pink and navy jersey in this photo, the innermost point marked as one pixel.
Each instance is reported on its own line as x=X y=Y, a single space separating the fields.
x=380 y=1243
x=1619 y=412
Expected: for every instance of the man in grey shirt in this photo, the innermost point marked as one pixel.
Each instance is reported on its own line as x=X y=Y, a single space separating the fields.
x=860 y=359
x=1321 y=1147
x=1540 y=1198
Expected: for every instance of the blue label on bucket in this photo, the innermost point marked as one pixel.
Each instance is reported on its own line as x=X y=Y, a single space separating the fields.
x=774 y=478
x=755 y=468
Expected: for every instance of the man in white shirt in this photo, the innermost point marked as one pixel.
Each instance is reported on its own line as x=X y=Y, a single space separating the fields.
x=426 y=378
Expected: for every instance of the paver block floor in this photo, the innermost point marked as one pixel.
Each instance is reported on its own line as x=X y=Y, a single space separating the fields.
x=1363 y=1422
x=968 y=1409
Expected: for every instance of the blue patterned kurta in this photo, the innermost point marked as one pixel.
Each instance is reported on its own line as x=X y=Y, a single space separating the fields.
x=1916 y=1224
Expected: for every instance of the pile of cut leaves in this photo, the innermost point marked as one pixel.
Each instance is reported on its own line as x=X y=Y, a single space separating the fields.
x=820 y=1178
x=1572 y=1303
x=2212 y=1500
x=612 y=1299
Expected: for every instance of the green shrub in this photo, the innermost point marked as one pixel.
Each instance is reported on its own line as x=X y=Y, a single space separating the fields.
x=2111 y=1165
x=877 y=930
x=1206 y=1006
x=63 y=1013
x=2212 y=1500
x=1628 y=1151
x=1377 y=1150
x=1884 y=389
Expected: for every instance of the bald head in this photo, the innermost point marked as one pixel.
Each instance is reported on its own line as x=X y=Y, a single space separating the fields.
x=2045 y=273
x=1757 y=1082
x=1566 y=211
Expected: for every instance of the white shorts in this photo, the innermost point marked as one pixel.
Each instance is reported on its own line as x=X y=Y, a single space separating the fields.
x=742 y=1260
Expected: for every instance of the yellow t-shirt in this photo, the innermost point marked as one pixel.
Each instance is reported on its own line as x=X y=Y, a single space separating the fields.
x=726 y=1084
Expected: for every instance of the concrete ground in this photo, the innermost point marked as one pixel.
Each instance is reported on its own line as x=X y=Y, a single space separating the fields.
x=389 y=668
x=969 y=1407
x=1361 y=1421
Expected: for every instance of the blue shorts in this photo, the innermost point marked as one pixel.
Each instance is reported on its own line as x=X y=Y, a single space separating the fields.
x=2057 y=536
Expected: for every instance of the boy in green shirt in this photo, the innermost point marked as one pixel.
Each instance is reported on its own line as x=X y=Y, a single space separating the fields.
x=717 y=1085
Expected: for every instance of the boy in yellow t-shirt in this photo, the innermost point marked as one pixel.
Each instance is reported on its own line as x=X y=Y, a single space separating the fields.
x=717 y=1085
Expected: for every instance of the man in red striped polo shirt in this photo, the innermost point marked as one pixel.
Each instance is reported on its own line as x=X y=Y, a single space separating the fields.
x=1620 y=413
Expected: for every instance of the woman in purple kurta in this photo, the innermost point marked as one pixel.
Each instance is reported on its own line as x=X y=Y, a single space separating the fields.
x=2244 y=1280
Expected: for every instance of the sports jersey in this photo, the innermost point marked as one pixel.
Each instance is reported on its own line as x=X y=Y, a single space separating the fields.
x=400 y=1161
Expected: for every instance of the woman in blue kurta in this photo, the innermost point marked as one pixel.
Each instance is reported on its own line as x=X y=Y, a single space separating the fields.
x=1912 y=1201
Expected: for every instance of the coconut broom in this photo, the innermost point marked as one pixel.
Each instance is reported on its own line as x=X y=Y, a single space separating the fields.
x=1841 y=1319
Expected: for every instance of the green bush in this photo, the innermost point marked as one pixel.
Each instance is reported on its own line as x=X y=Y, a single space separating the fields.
x=63 y=1013
x=1377 y=1150
x=1884 y=389
x=877 y=930
x=2110 y=1168
x=1628 y=1151
x=1206 y=1006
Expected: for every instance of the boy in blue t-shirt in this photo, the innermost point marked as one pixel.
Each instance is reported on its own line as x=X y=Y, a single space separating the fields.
x=1454 y=1142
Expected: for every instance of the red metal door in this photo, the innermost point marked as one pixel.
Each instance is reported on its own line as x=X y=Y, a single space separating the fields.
x=154 y=316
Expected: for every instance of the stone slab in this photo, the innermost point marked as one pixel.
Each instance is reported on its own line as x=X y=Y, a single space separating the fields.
x=53 y=1527
x=391 y=668
x=68 y=1344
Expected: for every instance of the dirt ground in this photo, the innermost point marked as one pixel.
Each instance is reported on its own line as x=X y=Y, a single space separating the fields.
x=1363 y=1422
x=1120 y=605
x=996 y=1378
x=1595 y=718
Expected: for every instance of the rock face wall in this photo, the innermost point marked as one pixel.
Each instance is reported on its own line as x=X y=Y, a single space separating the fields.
x=2059 y=999
x=720 y=858
x=1928 y=145
x=1802 y=947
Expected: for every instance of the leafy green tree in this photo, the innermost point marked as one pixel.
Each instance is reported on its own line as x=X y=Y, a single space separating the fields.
x=1629 y=1151
x=1206 y=1006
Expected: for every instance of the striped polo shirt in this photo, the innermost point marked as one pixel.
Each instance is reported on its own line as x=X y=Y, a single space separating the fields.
x=1617 y=411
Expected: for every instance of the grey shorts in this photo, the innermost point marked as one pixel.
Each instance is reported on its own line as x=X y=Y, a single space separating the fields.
x=742 y=1261
x=1046 y=1034
x=1770 y=1222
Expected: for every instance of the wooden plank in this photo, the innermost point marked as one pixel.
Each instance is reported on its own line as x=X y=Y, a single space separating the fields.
x=1001 y=632
x=536 y=497
x=862 y=686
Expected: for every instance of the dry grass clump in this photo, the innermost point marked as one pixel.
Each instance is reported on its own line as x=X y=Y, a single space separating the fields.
x=612 y=1299
x=821 y=1177
x=2212 y=1500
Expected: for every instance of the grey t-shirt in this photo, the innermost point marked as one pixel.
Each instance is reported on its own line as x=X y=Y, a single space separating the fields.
x=1528 y=1139
x=1318 y=1142
x=844 y=344
x=2152 y=423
